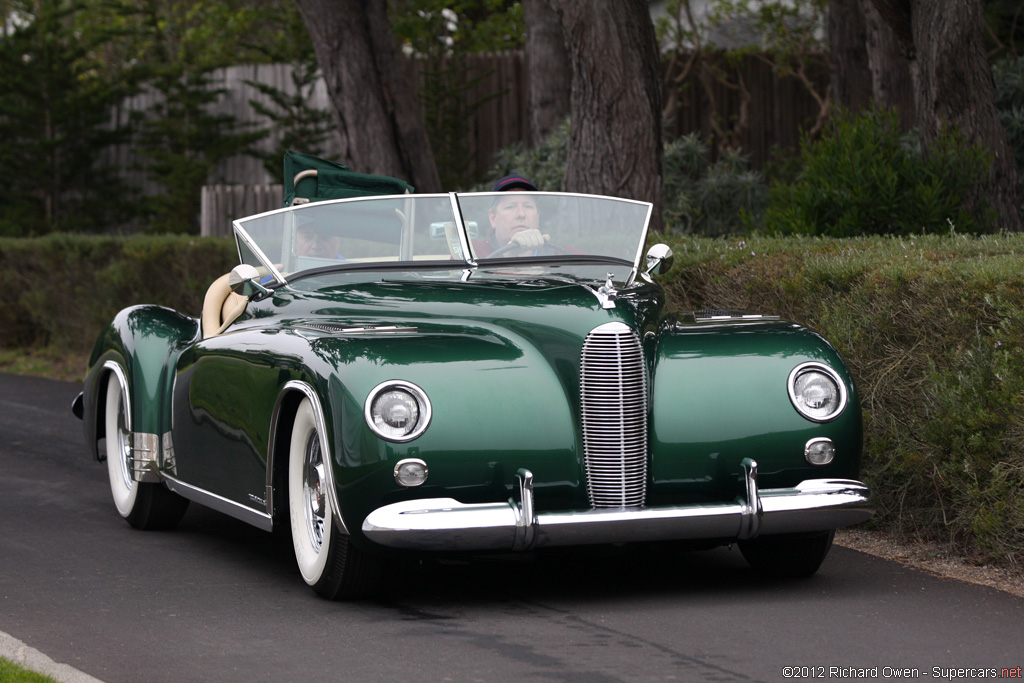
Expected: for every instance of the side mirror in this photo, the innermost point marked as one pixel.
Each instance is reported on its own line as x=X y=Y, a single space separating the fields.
x=245 y=280
x=659 y=259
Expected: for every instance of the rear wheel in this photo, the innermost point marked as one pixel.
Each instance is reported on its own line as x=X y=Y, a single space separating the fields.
x=788 y=555
x=328 y=562
x=143 y=505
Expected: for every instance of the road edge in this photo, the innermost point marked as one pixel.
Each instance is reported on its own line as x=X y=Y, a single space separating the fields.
x=18 y=652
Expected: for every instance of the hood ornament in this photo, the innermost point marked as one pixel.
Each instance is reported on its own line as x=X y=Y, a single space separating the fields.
x=606 y=293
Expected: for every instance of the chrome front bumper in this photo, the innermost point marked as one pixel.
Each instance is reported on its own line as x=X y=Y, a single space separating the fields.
x=446 y=524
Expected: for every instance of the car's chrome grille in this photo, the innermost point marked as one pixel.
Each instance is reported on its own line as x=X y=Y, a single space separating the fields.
x=613 y=402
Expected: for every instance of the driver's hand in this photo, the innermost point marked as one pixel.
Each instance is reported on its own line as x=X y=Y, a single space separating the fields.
x=529 y=239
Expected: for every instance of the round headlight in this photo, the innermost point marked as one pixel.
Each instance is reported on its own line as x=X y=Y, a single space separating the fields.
x=397 y=411
x=817 y=392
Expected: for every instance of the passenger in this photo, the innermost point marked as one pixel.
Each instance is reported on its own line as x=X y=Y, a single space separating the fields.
x=312 y=242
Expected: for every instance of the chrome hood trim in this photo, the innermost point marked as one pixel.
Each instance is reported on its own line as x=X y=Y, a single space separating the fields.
x=346 y=330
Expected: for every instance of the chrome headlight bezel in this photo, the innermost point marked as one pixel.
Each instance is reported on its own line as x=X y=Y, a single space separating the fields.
x=424 y=412
x=832 y=376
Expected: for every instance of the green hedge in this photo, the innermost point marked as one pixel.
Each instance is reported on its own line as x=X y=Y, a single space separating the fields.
x=932 y=330
x=930 y=327
x=60 y=290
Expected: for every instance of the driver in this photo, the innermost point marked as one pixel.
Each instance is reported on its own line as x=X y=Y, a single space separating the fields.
x=515 y=220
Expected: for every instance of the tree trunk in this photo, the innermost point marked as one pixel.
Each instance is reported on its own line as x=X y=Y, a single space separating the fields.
x=892 y=86
x=953 y=87
x=847 y=39
x=547 y=68
x=373 y=93
x=615 y=147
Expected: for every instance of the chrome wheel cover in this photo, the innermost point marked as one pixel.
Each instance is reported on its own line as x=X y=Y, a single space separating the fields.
x=314 y=499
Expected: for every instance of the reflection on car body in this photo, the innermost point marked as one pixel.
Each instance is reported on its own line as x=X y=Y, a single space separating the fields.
x=404 y=392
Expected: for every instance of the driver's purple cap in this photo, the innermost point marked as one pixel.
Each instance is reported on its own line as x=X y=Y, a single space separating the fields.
x=513 y=182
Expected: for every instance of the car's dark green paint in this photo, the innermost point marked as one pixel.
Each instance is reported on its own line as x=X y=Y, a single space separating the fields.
x=719 y=395
x=500 y=362
x=144 y=341
x=687 y=430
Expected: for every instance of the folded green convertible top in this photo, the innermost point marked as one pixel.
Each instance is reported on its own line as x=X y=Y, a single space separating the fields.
x=313 y=179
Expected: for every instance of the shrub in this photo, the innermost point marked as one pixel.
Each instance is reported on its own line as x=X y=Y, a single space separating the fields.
x=544 y=164
x=63 y=288
x=931 y=331
x=705 y=198
x=861 y=178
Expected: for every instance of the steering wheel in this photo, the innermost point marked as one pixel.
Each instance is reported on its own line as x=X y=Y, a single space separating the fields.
x=559 y=249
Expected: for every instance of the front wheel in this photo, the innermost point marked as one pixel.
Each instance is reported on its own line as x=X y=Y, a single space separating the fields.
x=143 y=505
x=328 y=562
x=788 y=555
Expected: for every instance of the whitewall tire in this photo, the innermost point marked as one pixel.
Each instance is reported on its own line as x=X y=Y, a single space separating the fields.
x=328 y=562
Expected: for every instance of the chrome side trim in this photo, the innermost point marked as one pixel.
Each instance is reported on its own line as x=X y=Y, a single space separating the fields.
x=146 y=457
x=446 y=524
x=248 y=515
x=168 y=463
x=332 y=492
x=328 y=328
x=122 y=379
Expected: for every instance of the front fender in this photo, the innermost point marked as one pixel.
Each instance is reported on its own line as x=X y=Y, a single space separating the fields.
x=720 y=395
x=498 y=404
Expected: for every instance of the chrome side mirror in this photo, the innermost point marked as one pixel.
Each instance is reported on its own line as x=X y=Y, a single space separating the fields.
x=659 y=259
x=245 y=280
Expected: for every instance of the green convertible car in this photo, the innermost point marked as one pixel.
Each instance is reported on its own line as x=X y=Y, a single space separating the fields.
x=491 y=372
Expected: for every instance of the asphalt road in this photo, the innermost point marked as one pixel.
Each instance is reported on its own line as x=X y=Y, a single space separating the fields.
x=216 y=600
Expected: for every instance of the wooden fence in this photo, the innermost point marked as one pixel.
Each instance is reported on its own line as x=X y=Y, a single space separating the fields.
x=222 y=204
x=781 y=108
x=495 y=90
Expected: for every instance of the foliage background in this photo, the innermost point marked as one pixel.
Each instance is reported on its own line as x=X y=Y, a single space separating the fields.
x=929 y=325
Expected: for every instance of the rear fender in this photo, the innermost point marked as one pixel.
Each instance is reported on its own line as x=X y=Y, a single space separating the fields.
x=144 y=342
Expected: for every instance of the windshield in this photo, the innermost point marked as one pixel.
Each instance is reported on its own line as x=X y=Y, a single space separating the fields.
x=449 y=232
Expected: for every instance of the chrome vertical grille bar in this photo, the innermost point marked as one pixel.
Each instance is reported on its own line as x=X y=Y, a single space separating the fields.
x=613 y=401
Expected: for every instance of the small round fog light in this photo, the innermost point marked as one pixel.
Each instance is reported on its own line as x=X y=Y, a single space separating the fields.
x=819 y=451
x=411 y=472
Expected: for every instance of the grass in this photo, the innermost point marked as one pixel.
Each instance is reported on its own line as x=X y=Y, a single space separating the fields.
x=13 y=673
x=48 y=362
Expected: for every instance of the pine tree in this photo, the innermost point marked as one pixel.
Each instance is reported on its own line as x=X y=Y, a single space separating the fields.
x=55 y=126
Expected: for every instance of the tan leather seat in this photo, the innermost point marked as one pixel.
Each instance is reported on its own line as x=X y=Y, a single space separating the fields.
x=221 y=307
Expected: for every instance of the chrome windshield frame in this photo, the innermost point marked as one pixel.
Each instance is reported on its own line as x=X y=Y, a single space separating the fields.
x=637 y=257
x=460 y=224
x=468 y=263
x=243 y=237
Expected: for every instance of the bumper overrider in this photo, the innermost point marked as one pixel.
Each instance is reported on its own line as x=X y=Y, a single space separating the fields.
x=446 y=524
